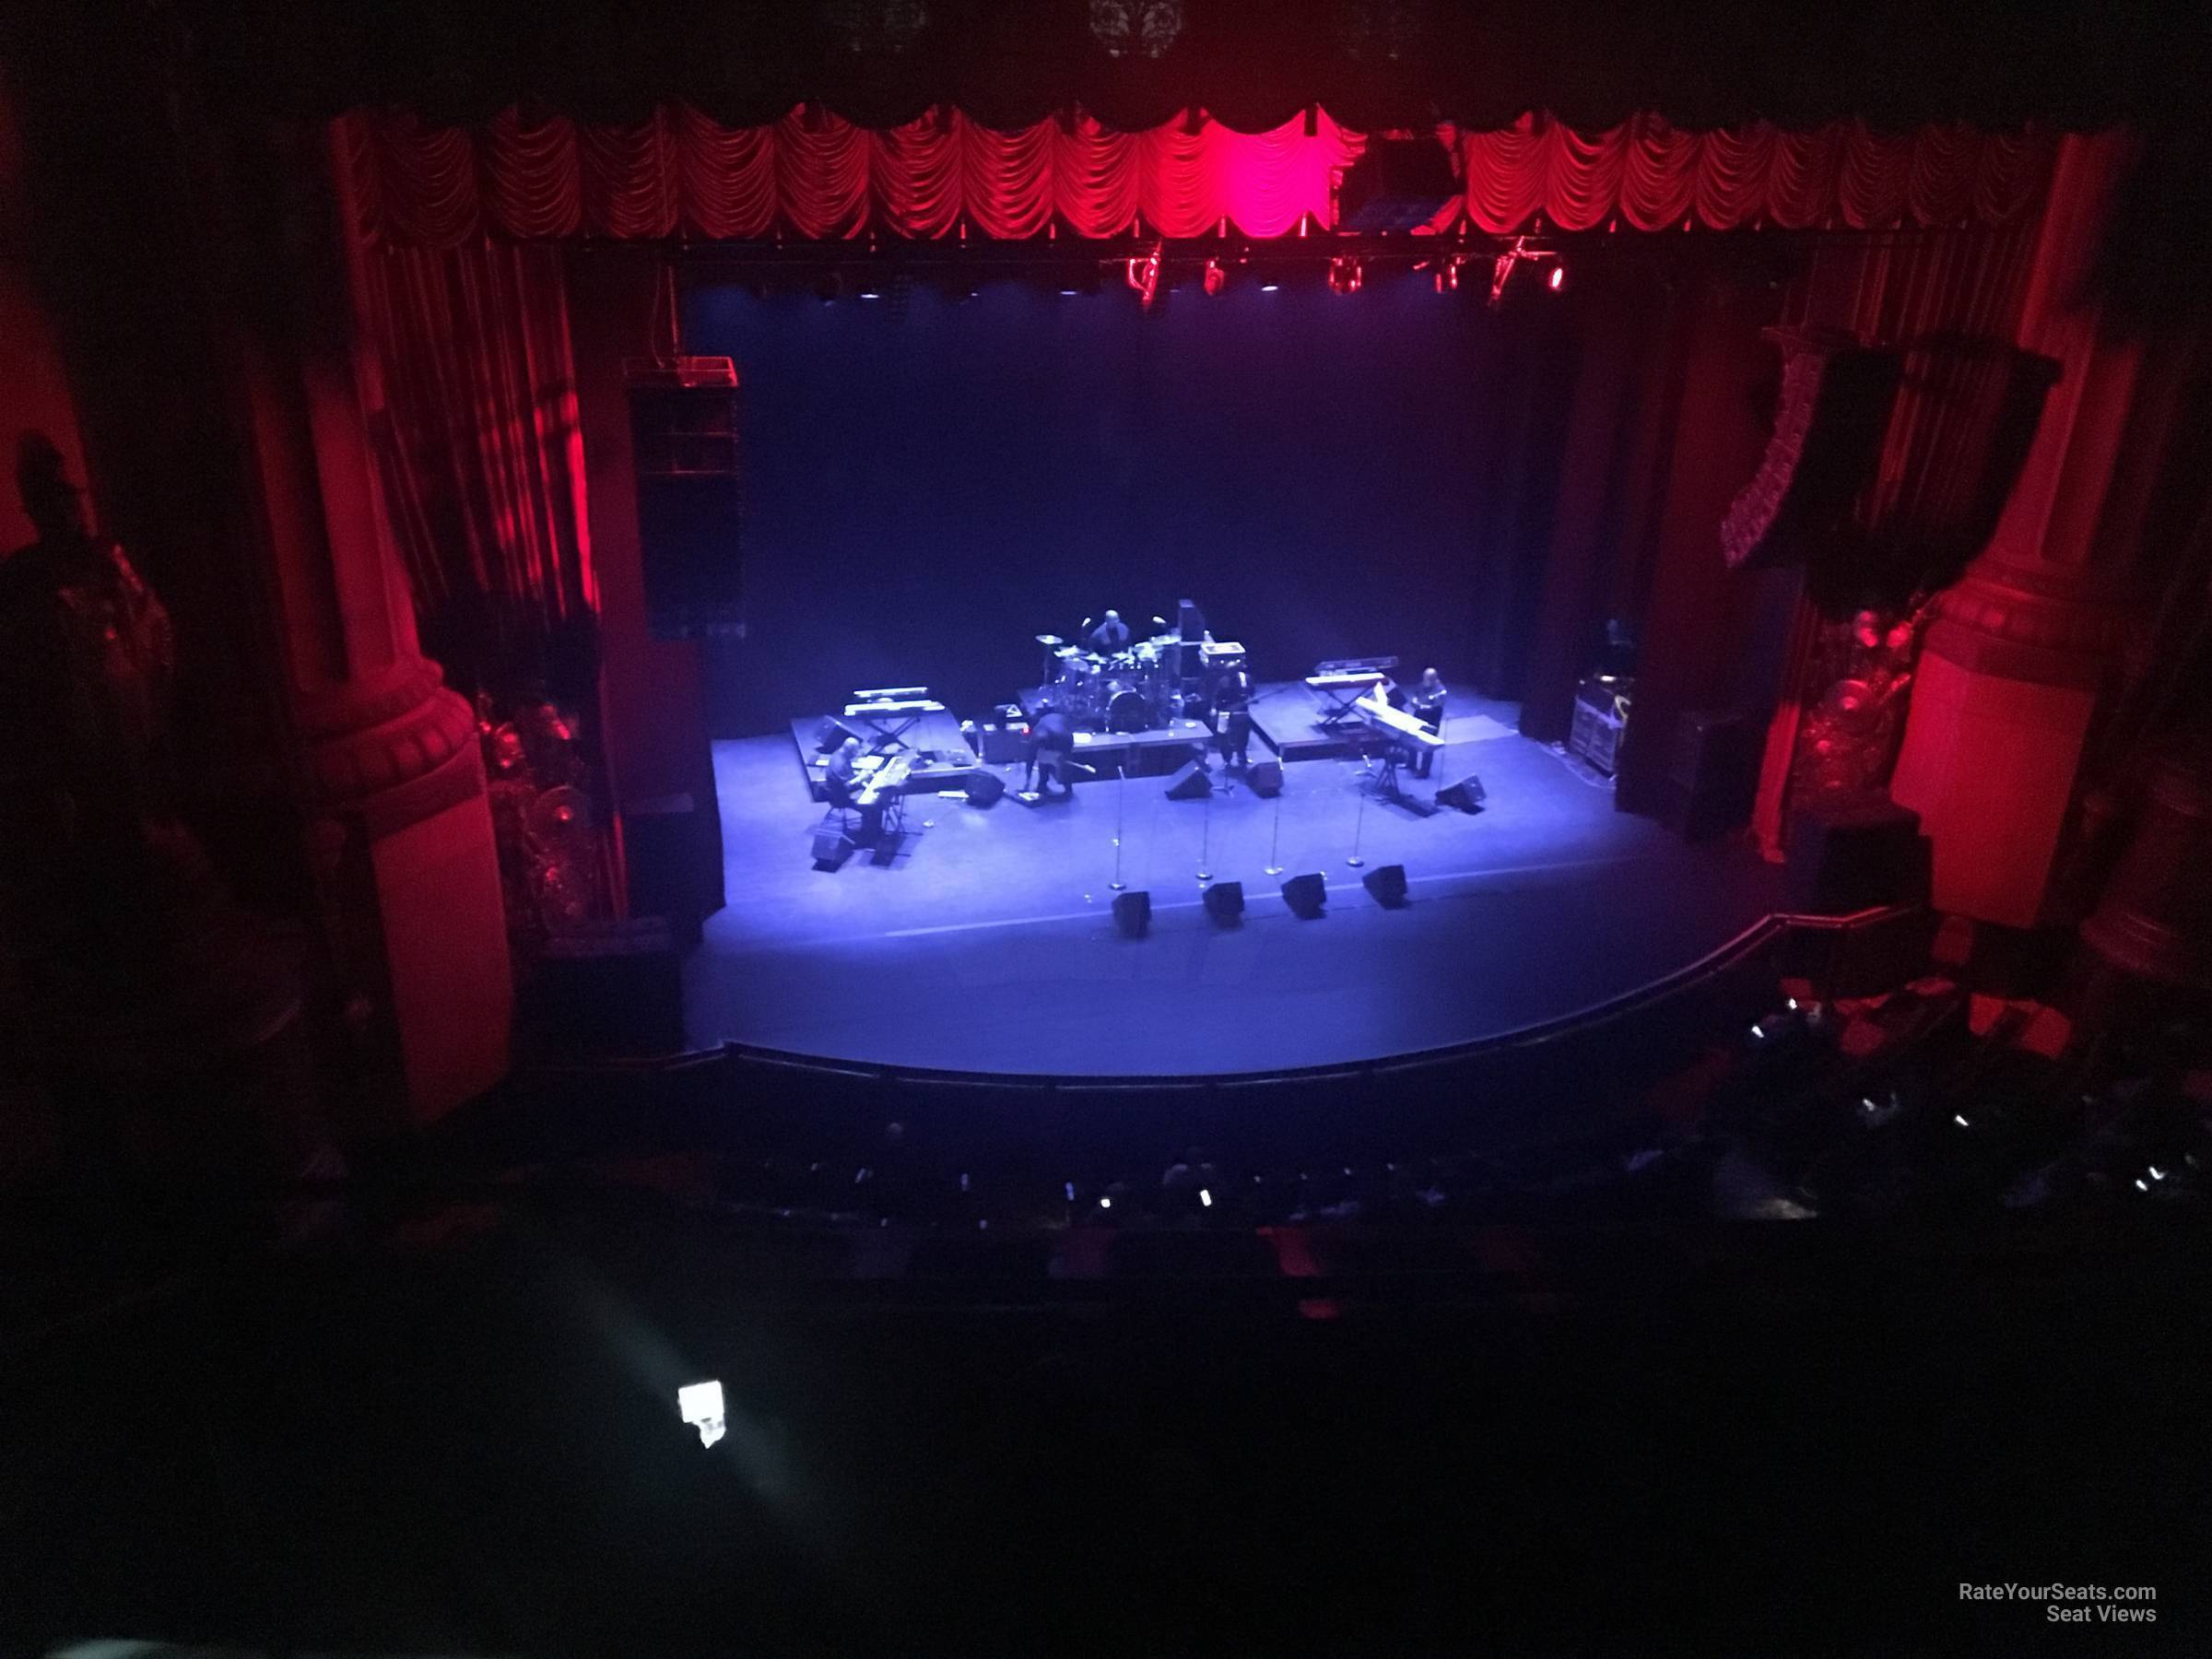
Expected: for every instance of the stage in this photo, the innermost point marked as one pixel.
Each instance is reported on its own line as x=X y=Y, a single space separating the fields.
x=985 y=942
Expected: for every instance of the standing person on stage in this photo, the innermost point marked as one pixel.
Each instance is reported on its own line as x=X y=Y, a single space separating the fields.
x=1052 y=741
x=1426 y=704
x=1110 y=635
x=1232 y=722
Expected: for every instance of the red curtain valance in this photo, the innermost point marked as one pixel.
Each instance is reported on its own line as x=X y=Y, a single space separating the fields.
x=681 y=174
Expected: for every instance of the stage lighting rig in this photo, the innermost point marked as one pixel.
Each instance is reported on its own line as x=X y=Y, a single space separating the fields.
x=1445 y=273
x=1502 y=268
x=1143 y=274
x=1343 y=274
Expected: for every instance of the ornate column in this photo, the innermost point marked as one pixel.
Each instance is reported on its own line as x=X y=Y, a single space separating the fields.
x=393 y=778
x=2155 y=920
x=2021 y=647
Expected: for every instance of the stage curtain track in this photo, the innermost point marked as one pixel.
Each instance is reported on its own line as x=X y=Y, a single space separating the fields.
x=680 y=173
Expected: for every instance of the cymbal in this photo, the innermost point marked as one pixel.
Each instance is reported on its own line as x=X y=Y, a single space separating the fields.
x=1049 y=640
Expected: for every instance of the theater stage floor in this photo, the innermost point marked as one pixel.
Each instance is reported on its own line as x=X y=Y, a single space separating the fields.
x=988 y=944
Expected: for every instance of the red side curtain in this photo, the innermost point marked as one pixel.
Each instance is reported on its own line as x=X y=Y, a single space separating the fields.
x=1944 y=300
x=483 y=461
x=681 y=174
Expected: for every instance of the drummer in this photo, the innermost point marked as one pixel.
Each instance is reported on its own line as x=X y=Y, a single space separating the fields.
x=1110 y=635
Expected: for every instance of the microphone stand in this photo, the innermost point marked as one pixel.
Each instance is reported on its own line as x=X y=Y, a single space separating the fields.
x=1205 y=829
x=1359 y=817
x=1121 y=794
x=1274 y=838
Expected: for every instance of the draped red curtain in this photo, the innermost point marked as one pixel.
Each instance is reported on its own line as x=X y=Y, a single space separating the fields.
x=483 y=460
x=679 y=172
x=1646 y=174
x=1951 y=305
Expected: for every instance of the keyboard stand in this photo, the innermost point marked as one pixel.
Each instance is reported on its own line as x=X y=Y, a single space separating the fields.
x=1339 y=710
x=1380 y=768
x=888 y=732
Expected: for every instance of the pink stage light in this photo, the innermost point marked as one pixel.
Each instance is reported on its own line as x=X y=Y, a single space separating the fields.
x=1558 y=278
x=1144 y=275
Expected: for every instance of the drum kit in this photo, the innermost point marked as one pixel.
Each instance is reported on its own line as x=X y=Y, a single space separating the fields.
x=1132 y=690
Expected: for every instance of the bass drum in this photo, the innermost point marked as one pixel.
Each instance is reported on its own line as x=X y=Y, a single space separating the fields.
x=1129 y=712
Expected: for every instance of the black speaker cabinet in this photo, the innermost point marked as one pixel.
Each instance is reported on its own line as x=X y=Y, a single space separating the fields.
x=1306 y=895
x=1191 y=783
x=1828 y=426
x=832 y=846
x=613 y=989
x=1387 y=884
x=1467 y=795
x=690 y=506
x=1396 y=184
x=985 y=788
x=672 y=858
x=1856 y=853
x=1133 y=913
x=1711 y=776
x=1225 y=902
x=1266 y=777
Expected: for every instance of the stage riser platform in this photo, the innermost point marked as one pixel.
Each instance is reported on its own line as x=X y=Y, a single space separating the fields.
x=937 y=734
x=1286 y=715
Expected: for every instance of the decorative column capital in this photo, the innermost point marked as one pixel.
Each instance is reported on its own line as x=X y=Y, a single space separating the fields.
x=394 y=746
x=2043 y=623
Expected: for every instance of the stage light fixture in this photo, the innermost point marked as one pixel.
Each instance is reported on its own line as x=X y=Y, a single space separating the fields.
x=1343 y=274
x=1143 y=274
x=1558 y=278
x=1268 y=285
x=700 y=1404
x=1502 y=268
x=1216 y=277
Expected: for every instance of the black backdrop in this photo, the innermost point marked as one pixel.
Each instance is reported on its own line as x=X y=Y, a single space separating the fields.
x=930 y=482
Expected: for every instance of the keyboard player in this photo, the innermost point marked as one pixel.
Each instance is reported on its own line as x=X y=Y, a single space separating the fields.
x=868 y=788
x=1425 y=702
